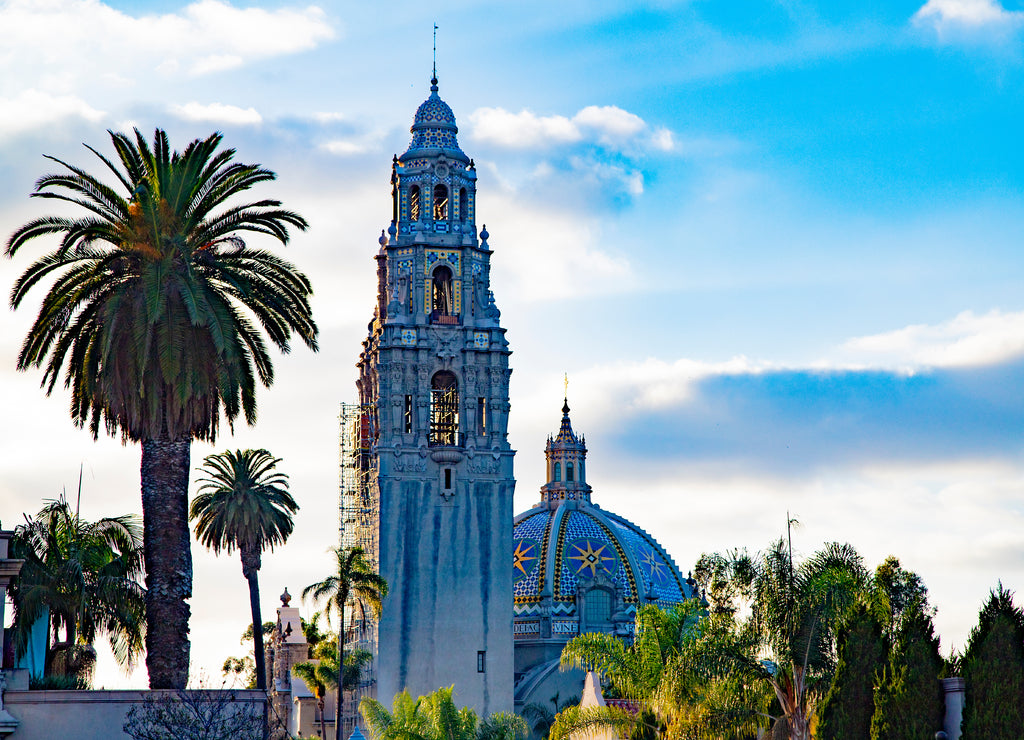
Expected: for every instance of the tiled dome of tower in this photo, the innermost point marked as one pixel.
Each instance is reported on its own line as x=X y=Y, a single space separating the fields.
x=434 y=129
x=579 y=568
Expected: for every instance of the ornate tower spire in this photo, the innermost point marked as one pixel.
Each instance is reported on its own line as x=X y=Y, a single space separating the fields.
x=566 y=460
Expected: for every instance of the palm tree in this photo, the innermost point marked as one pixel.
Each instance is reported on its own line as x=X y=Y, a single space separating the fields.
x=353 y=577
x=435 y=717
x=541 y=717
x=81 y=577
x=323 y=675
x=153 y=319
x=243 y=503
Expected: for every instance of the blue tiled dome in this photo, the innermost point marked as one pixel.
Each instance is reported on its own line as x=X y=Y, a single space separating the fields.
x=559 y=549
x=434 y=125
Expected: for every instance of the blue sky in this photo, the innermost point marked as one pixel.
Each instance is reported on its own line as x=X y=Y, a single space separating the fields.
x=775 y=245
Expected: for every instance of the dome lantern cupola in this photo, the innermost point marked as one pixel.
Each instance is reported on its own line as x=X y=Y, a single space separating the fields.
x=566 y=459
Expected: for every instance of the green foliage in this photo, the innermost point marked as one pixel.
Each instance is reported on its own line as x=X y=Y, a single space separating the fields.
x=353 y=578
x=725 y=580
x=541 y=716
x=909 y=703
x=243 y=503
x=435 y=717
x=895 y=592
x=194 y=715
x=57 y=683
x=846 y=711
x=86 y=573
x=993 y=664
x=144 y=311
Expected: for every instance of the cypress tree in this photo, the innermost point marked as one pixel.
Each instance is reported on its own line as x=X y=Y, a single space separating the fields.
x=909 y=703
x=850 y=703
x=994 y=671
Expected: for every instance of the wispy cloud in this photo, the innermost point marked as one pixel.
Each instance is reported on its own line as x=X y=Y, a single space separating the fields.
x=965 y=340
x=968 y=18
x=217 y=113
x=32 y=108
x=607 y=125
x=60 y=44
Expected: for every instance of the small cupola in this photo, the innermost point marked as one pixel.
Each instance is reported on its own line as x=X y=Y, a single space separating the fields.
x=566 y=465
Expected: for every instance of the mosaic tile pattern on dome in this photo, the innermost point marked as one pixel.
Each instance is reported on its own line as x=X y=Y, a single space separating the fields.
x=533 y=529
x=652 y=566
x=578 y=526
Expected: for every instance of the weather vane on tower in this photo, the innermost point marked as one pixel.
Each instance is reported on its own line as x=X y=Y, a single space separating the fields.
x=435 y=51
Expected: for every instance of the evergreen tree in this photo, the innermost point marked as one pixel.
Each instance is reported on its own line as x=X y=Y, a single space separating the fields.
x=909 y=704
x=994 y=671
x=846 y=711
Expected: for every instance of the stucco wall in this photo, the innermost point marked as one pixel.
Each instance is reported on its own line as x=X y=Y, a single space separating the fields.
x=83 y=715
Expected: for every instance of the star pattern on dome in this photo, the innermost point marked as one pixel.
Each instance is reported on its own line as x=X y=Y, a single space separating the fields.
x=522 y=557
x=590 y=558
x=657 y=570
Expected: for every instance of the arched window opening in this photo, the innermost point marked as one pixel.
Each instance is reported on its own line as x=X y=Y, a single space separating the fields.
x=444 y=409
x=558 y=473
x=440 y=203
x=597 y=607
x=568 y=473
x=414 y=203
x=463 y=204
x=442 y=300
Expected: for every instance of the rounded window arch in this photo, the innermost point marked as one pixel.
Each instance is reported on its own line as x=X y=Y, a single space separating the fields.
x=558 y=473
x=414 y=203
x=444 y=409
x=569 y=473
x=442 y=298
x=440 y=203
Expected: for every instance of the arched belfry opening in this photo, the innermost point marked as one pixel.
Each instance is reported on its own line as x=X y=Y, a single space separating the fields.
x=444 y=409
x=442 y=299
x=440 y=203
x=414 y=203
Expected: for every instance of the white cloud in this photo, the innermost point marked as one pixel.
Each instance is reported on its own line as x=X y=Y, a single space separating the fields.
x=217 y=113
x=523 y=130
x=32 y=108
x=607 y=125
x=61 y=45
x=967 y=15
x=352 y=145
x=967 y=339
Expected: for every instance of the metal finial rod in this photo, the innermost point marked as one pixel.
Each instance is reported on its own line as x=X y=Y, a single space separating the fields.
x=435 y=51
x=567 y=385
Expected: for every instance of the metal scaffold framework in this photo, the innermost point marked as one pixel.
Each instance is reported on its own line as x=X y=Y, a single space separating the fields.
x=359 y=526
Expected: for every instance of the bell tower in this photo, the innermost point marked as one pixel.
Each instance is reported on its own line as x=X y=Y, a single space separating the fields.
x=433 y=383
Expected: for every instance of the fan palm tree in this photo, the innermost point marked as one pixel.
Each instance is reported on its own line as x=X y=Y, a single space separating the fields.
x=243 y=503
x=353 y=577
x=152 y=319
x=323 y=675
x=83 y=578
x=435 y=717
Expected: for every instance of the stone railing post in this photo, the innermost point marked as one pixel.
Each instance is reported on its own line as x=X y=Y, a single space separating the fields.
x=953 y=689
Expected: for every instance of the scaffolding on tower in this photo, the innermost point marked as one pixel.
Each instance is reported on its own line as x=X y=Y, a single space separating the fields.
x=359 y=526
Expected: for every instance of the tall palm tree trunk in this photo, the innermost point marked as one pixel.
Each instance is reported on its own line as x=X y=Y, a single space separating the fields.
x=323 y=723
x=168 y=559
x=250 y=568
